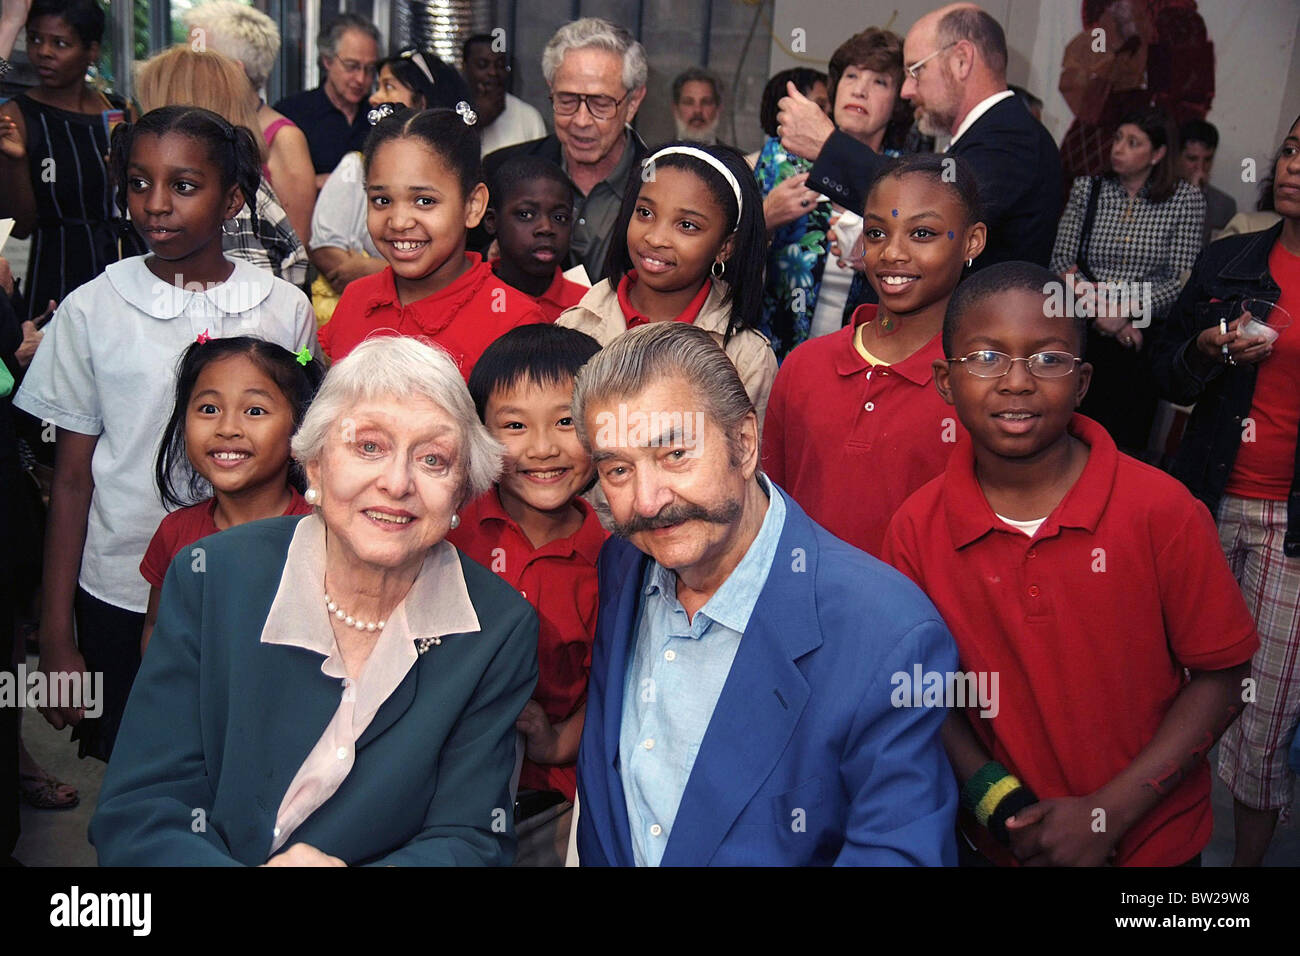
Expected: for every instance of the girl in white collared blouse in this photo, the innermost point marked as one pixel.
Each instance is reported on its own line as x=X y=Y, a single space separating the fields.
x=1145 y=233
x=103 y=376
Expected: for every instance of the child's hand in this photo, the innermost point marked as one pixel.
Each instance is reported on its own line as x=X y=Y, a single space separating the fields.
x=1061 y=833
x=542 y=740
x=11 y=144
x=63 y=661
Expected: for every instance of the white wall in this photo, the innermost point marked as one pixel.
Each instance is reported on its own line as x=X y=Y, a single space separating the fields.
x=1257 y=54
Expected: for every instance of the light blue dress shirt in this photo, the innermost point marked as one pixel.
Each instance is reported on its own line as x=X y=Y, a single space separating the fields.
x=675 y=677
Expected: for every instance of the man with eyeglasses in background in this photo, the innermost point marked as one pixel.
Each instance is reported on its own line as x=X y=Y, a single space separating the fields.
x=503 y=118
x=956 y=79
x=596 y=72
x=333 y=116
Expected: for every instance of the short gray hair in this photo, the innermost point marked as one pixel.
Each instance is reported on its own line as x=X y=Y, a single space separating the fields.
x=658 y=351
x=400 y=367
x=240 y=32
x=602 y=34
x=327 y=41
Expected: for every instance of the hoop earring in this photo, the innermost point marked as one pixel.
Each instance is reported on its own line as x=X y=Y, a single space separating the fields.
x=718 y=269
x=969 y=263
x=455 y=521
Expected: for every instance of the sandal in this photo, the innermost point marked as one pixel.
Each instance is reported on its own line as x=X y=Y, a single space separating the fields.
x=44 y=792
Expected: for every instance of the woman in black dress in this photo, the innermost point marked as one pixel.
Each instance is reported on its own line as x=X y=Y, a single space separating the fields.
x=52 y=149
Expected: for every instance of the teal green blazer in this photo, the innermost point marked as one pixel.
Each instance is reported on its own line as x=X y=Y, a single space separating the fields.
x=218 y=724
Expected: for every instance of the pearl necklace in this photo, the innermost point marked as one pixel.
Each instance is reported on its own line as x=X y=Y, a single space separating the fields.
x=349 y=620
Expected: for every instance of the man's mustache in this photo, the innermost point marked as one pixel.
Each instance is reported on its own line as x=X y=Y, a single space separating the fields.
x=677 y=514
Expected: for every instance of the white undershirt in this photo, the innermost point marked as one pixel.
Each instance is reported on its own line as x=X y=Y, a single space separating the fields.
x=1029 y=527
x=831 y=297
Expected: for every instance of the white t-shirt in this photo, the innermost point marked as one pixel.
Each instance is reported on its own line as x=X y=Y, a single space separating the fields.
x=339 y=218
x=107 y=367
x=1028 y=528
x=518 y=123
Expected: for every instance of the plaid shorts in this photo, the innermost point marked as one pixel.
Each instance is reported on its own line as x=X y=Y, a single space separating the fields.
x=1253 y=751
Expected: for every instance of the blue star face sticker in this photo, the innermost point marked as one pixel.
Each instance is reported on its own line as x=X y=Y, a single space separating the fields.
x=304 y=356
x=951 y=235
x=895 y=212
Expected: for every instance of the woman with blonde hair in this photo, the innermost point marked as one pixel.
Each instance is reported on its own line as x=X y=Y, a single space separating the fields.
x=251 y=38
x=182 y=76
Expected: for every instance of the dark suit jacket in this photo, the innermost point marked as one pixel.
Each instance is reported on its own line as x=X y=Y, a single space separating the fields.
x=219 y=723
x=1016 y=163
x=806 y=761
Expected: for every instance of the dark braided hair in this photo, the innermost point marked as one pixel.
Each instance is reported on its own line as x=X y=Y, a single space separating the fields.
x=233 y=149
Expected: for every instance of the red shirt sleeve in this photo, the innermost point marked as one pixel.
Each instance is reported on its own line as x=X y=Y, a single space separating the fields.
x=159 y=554
x=1206 y=618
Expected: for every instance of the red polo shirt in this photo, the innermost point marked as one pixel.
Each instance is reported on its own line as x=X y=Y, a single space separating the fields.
x=635 y=318
x=1264 y=466
x=464 y=318
x=559 y=580
x=183 y=527
x=850 y=441
x=561 y=294
x=1088 y=626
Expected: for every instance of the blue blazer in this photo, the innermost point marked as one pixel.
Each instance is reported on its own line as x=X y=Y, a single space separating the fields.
x=218 y=724
x=805 y=760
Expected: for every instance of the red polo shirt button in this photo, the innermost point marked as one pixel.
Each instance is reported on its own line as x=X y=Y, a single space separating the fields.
x=1033 y=553
x=1033 y=590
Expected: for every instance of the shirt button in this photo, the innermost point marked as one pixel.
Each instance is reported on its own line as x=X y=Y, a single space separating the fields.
x=649 y=743
x=1033 y=590
x=275 y=832
x=870 y=406
x=656 y=829
x=1033 y=553
x=670 y=655
x=342 y=753
x=582 y=222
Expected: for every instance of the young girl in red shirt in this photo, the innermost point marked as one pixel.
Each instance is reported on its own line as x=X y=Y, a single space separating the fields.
x=238 y=402
x=422 y=195
x=854 y=415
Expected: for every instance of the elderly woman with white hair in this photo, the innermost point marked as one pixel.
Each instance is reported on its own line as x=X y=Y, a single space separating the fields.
x=249 y=36
x=339 y=688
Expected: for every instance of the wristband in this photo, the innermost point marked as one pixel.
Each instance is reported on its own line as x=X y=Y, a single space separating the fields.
x=993 y=795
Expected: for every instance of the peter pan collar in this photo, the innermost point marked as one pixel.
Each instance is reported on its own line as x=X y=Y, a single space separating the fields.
x=247 y=287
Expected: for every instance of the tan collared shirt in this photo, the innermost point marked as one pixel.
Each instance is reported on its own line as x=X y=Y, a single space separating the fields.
x=437 y=604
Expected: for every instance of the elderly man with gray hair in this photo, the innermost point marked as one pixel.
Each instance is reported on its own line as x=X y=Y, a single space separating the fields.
x=334 y=114
x=744 y=704
x=596 y=72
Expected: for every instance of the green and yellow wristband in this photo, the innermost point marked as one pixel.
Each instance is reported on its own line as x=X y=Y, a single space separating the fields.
x=993 y=796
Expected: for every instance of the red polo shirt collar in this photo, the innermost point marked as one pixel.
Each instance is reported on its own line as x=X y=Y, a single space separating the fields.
x=586 y=542
x=437 y=310
x=633 y=318
x=917 y=368
x=970 y=517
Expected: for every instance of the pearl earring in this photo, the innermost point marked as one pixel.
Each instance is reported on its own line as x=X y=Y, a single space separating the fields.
x=455 y=521
x=311 y=496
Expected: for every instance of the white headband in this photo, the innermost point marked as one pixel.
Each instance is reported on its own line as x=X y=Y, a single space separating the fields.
x=712 y=161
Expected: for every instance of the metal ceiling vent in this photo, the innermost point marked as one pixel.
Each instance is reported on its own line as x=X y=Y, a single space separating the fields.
x=441 y=25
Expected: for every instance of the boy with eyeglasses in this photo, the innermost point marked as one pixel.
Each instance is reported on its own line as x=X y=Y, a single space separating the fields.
x=1091 y=584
